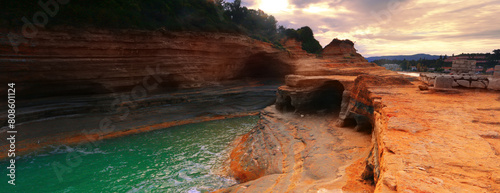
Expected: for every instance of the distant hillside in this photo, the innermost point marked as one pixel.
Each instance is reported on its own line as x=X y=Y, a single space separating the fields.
x=402 y=57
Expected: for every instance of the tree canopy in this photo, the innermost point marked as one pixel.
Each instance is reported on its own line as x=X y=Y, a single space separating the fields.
x=172 y=15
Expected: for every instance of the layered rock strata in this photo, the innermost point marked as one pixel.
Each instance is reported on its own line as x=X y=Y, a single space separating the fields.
x=74 y=62
x=421 y=141
x=71 y=81
x=287 y=152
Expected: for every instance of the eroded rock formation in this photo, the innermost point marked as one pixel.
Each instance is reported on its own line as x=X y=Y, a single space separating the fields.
x=342 y=51
x=73 y=62
x=309 y=141
x=421 y=141
x=133 y=80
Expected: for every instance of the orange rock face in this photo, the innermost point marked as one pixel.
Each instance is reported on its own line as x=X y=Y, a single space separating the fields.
x=290 y=153
x=422 y=140
x=418 y=141
x=73 y=62
x=437 y=142
x=342 y=51
x=294 y=47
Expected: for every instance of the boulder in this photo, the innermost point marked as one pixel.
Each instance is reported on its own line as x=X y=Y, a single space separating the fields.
x=464 y=83
x=485 y=82
x=494 y=83
x=431 y=81
x=423 y=87
x=477 y=84
x=443 y=82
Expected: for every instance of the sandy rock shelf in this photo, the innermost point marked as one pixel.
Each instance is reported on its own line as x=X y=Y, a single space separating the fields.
x=422 y=141
x=438 y=142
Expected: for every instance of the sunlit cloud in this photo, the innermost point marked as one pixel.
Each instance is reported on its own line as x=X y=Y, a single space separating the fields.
x=274 y=6
x=387 y=27
x=317 y=8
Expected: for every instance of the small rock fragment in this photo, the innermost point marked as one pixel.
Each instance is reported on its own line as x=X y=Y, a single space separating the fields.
x=423 y=87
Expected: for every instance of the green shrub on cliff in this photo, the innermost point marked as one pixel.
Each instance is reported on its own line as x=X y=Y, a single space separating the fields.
x=173 y=15
x=304 y=35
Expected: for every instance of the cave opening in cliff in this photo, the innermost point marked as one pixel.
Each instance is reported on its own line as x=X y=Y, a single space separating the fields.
x=358 y=122
x=288 y=107
x=263 y=65
x=328 y=98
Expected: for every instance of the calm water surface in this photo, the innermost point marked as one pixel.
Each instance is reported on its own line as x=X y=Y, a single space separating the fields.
x=177 y=159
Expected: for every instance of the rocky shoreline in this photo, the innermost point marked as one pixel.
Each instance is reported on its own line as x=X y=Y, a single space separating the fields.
x=421 y=141
x=338 y=124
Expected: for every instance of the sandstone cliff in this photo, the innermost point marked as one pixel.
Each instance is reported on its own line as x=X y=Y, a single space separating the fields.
x=73 y=62
x=421 y=141
x=342 y=51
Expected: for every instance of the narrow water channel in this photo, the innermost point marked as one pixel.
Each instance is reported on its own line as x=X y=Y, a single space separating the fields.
x=177 y=159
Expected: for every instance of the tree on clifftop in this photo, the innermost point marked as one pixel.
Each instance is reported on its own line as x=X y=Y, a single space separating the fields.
x=497 y=53
x=309 y=44
x=306 y=36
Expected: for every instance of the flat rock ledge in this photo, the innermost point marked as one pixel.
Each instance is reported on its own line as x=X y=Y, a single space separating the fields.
x=420 y=141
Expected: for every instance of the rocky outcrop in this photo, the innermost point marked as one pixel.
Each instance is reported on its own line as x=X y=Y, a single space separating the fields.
x=435 y=142
x=74 y=62
x=294 y=48
x=342 y=51
x=81 y=119
x=312 y=94
x=296 y=147
x=421 y=141
x=70 y=81
x=139 y=78
x=132 y=81
x=291 y=153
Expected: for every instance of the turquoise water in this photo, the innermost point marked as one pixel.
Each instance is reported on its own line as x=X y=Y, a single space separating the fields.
x=177 y=159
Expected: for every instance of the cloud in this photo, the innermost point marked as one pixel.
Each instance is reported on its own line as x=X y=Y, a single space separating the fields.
x=386 y=27
x=304 y=3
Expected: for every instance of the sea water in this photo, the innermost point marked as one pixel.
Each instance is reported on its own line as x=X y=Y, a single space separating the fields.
x=178 y=159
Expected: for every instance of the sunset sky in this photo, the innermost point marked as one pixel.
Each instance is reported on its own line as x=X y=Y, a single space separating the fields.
x=393 y=27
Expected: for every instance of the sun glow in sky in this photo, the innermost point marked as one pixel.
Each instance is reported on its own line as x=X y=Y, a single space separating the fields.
x=393 y=27
x=273 y=6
